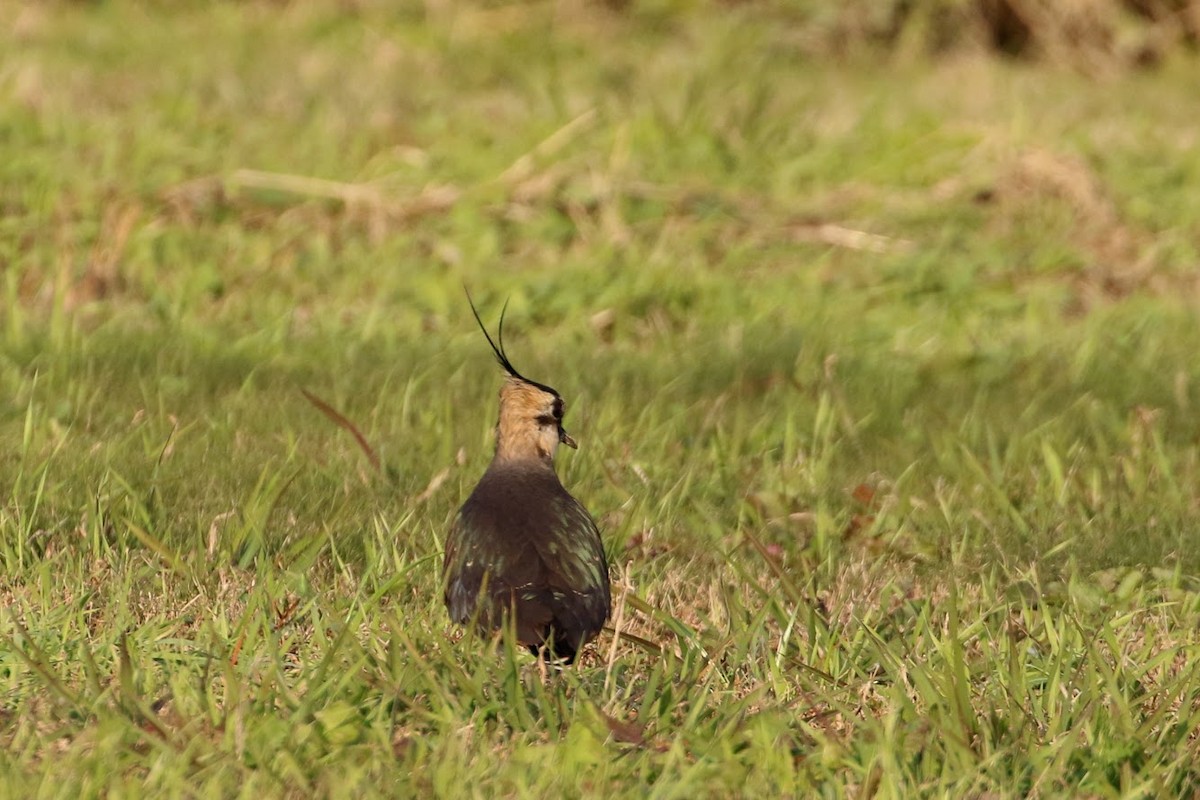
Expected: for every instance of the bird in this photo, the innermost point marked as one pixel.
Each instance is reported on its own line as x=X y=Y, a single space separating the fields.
x=522 y=550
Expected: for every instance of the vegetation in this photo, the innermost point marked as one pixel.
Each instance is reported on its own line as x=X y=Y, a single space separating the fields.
x=881 y=360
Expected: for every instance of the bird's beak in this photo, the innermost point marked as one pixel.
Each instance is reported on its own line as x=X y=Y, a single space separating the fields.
x=567 y=439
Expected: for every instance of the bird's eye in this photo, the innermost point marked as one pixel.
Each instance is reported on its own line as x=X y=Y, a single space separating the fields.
x=558 y=409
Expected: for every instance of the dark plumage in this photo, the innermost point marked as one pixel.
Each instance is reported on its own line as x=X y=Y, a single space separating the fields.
x=521 y=543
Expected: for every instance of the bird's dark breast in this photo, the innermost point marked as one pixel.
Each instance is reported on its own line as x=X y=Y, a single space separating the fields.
x=530 y=547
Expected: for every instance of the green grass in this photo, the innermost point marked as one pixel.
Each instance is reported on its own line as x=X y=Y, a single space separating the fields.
x=904 y=515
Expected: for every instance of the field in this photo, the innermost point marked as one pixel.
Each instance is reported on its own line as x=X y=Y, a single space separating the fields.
x=882 y=361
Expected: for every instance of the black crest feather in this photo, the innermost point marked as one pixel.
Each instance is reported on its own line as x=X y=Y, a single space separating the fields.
x=498 y=349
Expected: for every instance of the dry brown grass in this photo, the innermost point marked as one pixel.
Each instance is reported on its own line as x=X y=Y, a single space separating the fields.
x=1097 y=37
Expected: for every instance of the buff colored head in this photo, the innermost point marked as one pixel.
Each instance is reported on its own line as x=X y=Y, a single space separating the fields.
x=530 y=421
x=531 y=413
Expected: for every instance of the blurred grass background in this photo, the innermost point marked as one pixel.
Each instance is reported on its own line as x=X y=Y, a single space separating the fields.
x=874 y=320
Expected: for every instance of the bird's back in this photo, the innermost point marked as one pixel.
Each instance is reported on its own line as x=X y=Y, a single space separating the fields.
x=530 y=547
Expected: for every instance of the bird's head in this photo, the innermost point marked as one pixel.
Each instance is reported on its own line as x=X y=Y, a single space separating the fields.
x=531 y=413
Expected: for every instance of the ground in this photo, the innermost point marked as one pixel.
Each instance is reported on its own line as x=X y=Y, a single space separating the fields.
x=882 y=365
